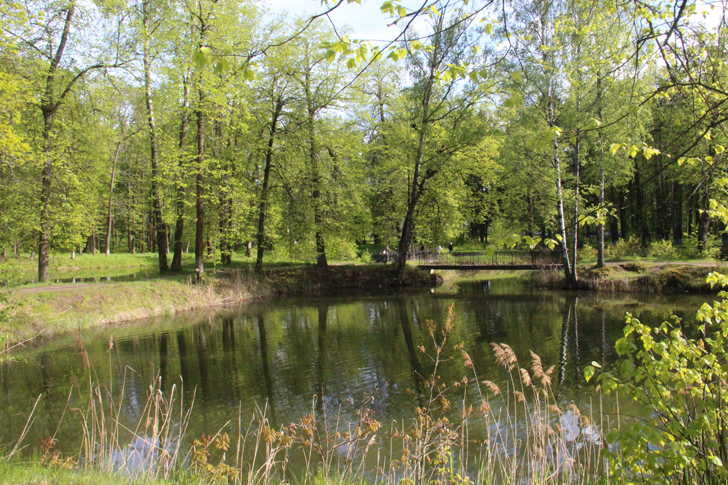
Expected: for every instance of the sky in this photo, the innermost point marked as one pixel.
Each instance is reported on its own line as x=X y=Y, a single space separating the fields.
x=366 y=20
x=369 y=23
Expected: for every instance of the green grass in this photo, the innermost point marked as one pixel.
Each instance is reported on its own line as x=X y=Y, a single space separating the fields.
x=17 y=273
x=48 y=313
x=35 y=474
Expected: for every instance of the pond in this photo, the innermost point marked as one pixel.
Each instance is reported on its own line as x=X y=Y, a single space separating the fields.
x=324 y=354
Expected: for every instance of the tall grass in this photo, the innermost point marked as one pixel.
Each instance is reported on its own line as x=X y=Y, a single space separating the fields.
x=463 y=432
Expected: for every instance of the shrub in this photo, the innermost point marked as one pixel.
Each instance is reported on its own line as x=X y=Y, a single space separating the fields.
x=588 y=253
x=663 y=250
x=340 y=249
x=623 y=248
x=680 y=383
x=365 y=257
x=690 y=249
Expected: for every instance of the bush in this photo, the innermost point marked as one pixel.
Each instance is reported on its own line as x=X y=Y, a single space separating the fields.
x=690 y=249
x=588 y=253
x=623 y=248
x=680 y=383
x=365 y=257
x=339 y=249
x=663 y=250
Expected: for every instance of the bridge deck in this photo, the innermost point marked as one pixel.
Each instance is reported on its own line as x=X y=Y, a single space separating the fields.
x=491 y=267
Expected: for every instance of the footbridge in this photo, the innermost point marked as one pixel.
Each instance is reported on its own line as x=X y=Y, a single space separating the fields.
x=479 y=261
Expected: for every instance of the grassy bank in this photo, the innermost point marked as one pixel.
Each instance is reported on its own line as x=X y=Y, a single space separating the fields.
x=637 y=277
x=50 y=310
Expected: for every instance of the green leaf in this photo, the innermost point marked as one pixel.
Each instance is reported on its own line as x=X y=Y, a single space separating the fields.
x=627 y=368
x=330 y=56
x=199 y=58
x=488 y=29
x=593 y=124
x=221 y=66
x=351 y=63
x=588 y=373
x=622 y=346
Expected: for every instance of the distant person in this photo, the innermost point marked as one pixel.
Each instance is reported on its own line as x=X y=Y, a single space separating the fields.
x=450 y=248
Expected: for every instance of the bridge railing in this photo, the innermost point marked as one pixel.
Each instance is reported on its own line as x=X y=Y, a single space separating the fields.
x=499 y=258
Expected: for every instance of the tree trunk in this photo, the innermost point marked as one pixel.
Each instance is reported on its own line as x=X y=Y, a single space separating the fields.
x=161 y=237
x=179 y=228
x=416 y=185
x=703 y=220
x=111 y=197
x=600 y=226
x=577 y=170
x=49 y=106
x=677 y=213
x=409 y=222
x=45 y=201
x=93 y=241
x=640 y=211
x=200 y=189
x=266 y=181
x=318 y=217
x=623 y=215
x=568 y=275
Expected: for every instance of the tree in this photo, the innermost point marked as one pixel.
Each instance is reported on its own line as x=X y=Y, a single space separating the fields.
x=433 y=102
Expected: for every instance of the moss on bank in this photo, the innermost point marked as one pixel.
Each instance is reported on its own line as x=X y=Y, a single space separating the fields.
x=47 y=311
x=637 y=277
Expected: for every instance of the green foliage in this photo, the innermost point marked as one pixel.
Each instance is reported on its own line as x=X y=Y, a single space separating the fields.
x=691 y=248
x=663 y=250
x=679 y=383
x=588 y=253
x=624 y=249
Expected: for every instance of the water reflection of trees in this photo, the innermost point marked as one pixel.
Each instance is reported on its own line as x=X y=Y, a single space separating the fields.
x=343 y=351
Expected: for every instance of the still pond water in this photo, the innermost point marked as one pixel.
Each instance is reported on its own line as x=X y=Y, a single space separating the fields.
x=342 y=349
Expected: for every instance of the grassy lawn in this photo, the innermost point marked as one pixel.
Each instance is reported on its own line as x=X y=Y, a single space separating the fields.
x=21 y=272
